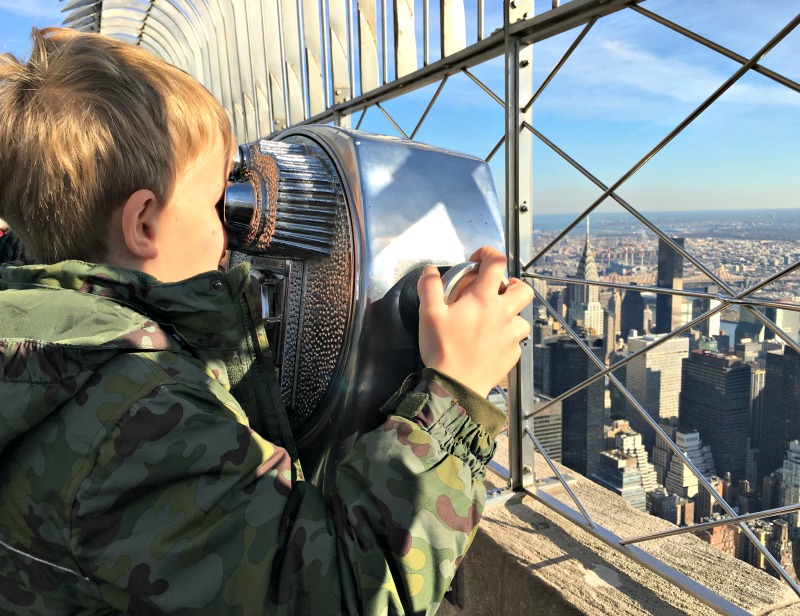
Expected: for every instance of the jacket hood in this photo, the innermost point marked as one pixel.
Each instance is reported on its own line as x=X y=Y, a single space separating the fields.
x=61 y=322
x=200 y=310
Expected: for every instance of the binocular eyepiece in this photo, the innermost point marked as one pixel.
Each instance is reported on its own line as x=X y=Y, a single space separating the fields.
x=282 y=201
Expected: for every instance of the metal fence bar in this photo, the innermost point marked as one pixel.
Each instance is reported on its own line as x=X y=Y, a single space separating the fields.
x=486 y=88
x=560 y=63
x=531 y=30
x=586 y=516
x=384 y=43
x=429 y=107
x=491 y=154
x=361 y=118
x=426 y=33
x=770 y=513
x=391 y=119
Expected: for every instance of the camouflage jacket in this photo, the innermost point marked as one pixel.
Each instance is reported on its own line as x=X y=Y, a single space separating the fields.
x=131 y=480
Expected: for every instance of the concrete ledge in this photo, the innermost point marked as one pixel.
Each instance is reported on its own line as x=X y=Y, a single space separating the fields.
x=527 y=558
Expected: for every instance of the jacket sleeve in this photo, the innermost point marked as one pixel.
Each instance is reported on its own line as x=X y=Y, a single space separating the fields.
x=188 y=510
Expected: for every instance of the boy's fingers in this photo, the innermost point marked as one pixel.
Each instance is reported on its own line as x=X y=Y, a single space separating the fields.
x=430 y=289
x=484 y=252
x=518 y=294
x=492 y=269
x=523 y=328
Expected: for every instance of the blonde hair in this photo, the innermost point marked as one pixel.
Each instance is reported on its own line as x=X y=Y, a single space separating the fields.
x=88 y=121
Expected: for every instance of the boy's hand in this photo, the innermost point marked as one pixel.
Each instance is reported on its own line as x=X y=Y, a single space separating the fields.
x=475 y=339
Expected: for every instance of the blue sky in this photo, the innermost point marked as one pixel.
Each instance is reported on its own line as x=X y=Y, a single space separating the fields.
x=17 y=17
x=628 y=84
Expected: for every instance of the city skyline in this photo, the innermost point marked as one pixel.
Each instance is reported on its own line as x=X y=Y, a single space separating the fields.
x=735 y=417
x=624 y=88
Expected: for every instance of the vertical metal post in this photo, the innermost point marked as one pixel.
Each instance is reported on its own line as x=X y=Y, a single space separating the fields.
x=342 y=120
x=384 y=41
x=425 y=32
x=327 y=84
x=519 y=189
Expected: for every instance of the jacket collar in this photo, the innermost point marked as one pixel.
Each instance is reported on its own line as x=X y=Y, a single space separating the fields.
x=203 y=310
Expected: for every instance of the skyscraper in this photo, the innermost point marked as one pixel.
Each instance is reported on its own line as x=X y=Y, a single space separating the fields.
x=751 y=327
x=758 y=379
x=547 y=426
x=630 y=442
x=670 y=507
x=619 y=473
x=791 y=487
x=632 y=313
x=540 y=311
x=670 y=276
x=680 y=479
x=709 y=327
x=747 y=551
x=775 y=538
x=715 y=400
x=707 y=505
x=746 y=497
x=613 y=322
x=780 y=420
x=771 y=488
x=564 y=365
x=662 y=454
x=662 y=504
x=583 y=300
x=724 y=538
x=779 y=545
x=654 y=380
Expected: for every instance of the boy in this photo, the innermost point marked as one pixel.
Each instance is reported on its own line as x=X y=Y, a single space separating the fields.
x=129 y=478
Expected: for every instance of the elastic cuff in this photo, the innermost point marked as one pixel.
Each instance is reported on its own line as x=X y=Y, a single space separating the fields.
x=479 y=409
x=461 y=437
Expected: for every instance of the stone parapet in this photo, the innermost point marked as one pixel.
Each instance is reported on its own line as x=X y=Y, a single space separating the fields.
x=527 y=558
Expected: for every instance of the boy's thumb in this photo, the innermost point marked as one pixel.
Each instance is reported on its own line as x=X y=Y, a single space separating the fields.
x=429 y=288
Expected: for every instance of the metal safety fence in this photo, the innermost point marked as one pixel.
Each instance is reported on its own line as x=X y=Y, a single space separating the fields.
x=475 y=76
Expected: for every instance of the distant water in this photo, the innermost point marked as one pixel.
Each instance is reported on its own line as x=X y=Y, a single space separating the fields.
x=774 y=224
x=729 y=327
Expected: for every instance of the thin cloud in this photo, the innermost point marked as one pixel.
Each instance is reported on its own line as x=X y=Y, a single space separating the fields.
x=651 y=74
x=685 y=82
x=613 y=80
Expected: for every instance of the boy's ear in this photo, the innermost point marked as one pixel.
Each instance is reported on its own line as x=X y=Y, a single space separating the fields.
x=139 y=224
